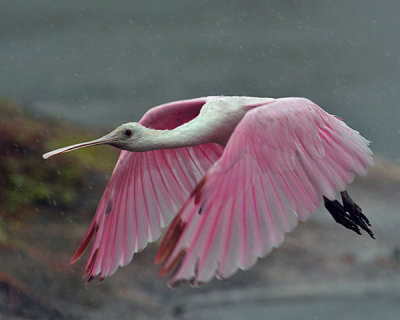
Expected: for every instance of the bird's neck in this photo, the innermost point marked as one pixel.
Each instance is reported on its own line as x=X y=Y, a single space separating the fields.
x=189 y=134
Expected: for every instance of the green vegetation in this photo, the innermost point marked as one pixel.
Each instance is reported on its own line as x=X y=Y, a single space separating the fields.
x=27 y=181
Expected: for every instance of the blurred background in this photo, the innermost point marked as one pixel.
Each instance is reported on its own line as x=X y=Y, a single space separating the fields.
x=74 y=70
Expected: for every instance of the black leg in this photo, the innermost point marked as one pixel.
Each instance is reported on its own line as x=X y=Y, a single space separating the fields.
x=349 y=214
x=356 y=214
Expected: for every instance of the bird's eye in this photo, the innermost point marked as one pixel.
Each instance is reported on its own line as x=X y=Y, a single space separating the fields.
x=128 y=132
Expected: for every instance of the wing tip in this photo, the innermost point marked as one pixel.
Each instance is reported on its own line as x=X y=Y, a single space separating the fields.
x=85 y=243
x=90 y=264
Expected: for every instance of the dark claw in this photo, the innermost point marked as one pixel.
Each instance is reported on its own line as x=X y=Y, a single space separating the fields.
x=349 y=214
x=356 y=214
x=339 y=214
x=350 y=206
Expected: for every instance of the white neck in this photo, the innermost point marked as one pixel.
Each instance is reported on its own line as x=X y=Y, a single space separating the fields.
x=215 y=123
x=190 y=134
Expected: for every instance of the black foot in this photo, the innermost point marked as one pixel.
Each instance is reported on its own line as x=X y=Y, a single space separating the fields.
x=349 y=214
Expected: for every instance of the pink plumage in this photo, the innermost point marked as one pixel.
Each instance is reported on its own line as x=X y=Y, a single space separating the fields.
x=278 y=163
x=239 y=172
x=144 y=193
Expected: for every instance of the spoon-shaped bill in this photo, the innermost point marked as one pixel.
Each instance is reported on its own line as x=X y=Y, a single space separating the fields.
x=109 y=138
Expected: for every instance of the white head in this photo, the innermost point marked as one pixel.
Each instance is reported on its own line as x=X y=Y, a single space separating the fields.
x=129 y=136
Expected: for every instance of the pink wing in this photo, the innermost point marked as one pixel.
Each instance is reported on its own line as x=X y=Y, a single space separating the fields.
x=279 y=162
x=144 y=192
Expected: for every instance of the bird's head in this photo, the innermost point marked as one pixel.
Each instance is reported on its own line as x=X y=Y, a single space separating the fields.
x=123 y=137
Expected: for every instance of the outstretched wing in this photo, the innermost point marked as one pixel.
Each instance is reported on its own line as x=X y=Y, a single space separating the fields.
x=144 y=192
x=279 y=162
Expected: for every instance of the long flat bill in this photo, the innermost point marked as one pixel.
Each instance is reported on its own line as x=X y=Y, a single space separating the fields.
x=103 y=140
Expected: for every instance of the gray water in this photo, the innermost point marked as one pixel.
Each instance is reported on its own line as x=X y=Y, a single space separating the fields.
x=100 y=63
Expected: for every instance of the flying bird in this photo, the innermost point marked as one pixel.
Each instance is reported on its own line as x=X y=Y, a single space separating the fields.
x=236 y=172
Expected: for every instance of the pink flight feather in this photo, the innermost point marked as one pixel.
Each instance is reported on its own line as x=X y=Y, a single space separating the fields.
x=279 y=162
x=144 y=192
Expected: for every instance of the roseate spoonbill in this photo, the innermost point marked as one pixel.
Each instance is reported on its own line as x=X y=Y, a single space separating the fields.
x=238 y=171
